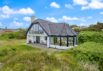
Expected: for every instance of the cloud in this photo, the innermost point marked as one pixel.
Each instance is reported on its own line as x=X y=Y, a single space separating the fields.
x=55 y=5
x=28 y=19
x=7 y=10
x=94 y=4
x=83 y=24
x=69 y=6
x=52 y=19
x=84 y=19
x=101 y=13
x=80 y=2
x=24 y=11
x=67 y=18
x=89 y=4
x=81 y=21
x=16 y=24
x=3 y=16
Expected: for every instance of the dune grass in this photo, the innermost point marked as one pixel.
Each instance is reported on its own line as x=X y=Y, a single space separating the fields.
x=88 y=52
x=16 y=55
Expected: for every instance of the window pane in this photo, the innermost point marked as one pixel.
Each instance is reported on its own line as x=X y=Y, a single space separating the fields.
x=64 y=41
x=70 y=41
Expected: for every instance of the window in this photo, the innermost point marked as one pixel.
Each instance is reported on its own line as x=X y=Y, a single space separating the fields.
x=40 y=30
x=70 y=41
x=64 y=41
x=56 y=40
x=37 y=29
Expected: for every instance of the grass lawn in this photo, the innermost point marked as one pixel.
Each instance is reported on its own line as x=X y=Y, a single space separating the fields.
x=16 y=55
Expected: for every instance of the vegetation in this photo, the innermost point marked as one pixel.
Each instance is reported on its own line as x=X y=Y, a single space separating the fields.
x=94 y=27
x=20 y=34
x=94 y=36
x=97 y=27
x=89 y=52
x=15 y=55
x=21 y=57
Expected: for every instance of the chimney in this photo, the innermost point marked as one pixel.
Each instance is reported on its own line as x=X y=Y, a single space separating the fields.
x=33 y=18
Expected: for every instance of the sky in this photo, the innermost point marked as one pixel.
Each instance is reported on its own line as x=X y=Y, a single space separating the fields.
x=17 y=13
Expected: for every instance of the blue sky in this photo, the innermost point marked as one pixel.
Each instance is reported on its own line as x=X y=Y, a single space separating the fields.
x=17 y=13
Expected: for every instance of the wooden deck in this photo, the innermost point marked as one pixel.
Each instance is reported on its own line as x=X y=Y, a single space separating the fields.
x=53 y=47
x=44 y=48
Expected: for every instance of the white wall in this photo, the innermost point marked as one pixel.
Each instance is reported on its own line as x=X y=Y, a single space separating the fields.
x=32 y=36
x=48 y=42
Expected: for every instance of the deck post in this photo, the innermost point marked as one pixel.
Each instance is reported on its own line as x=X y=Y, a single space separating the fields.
x=73 y=40
x=54 y=40
x=60 y=41
x=67 y=41
x=76 y=40
x=48 y=42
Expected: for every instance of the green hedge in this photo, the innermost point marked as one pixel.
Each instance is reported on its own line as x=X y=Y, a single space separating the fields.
x=90 y=36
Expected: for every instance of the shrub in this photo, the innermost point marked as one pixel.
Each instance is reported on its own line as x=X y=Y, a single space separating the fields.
x=91 y=52
x=90 y=36
x=20 y=34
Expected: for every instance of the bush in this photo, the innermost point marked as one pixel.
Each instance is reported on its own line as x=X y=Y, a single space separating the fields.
x=91 y=52
x=9 y=35
x=20 y=34
x=40 y=61
x=90 y=36
x=15 y=55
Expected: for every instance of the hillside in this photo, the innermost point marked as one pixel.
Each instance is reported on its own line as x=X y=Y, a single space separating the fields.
x=15 y=55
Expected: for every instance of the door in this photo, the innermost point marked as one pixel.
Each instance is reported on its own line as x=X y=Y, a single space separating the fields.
x=37 y=39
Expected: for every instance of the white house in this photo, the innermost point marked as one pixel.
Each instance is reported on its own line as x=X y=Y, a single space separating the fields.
x=54 y=35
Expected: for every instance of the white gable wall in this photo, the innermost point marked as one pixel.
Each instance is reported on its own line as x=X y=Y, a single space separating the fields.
x=34 y=31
